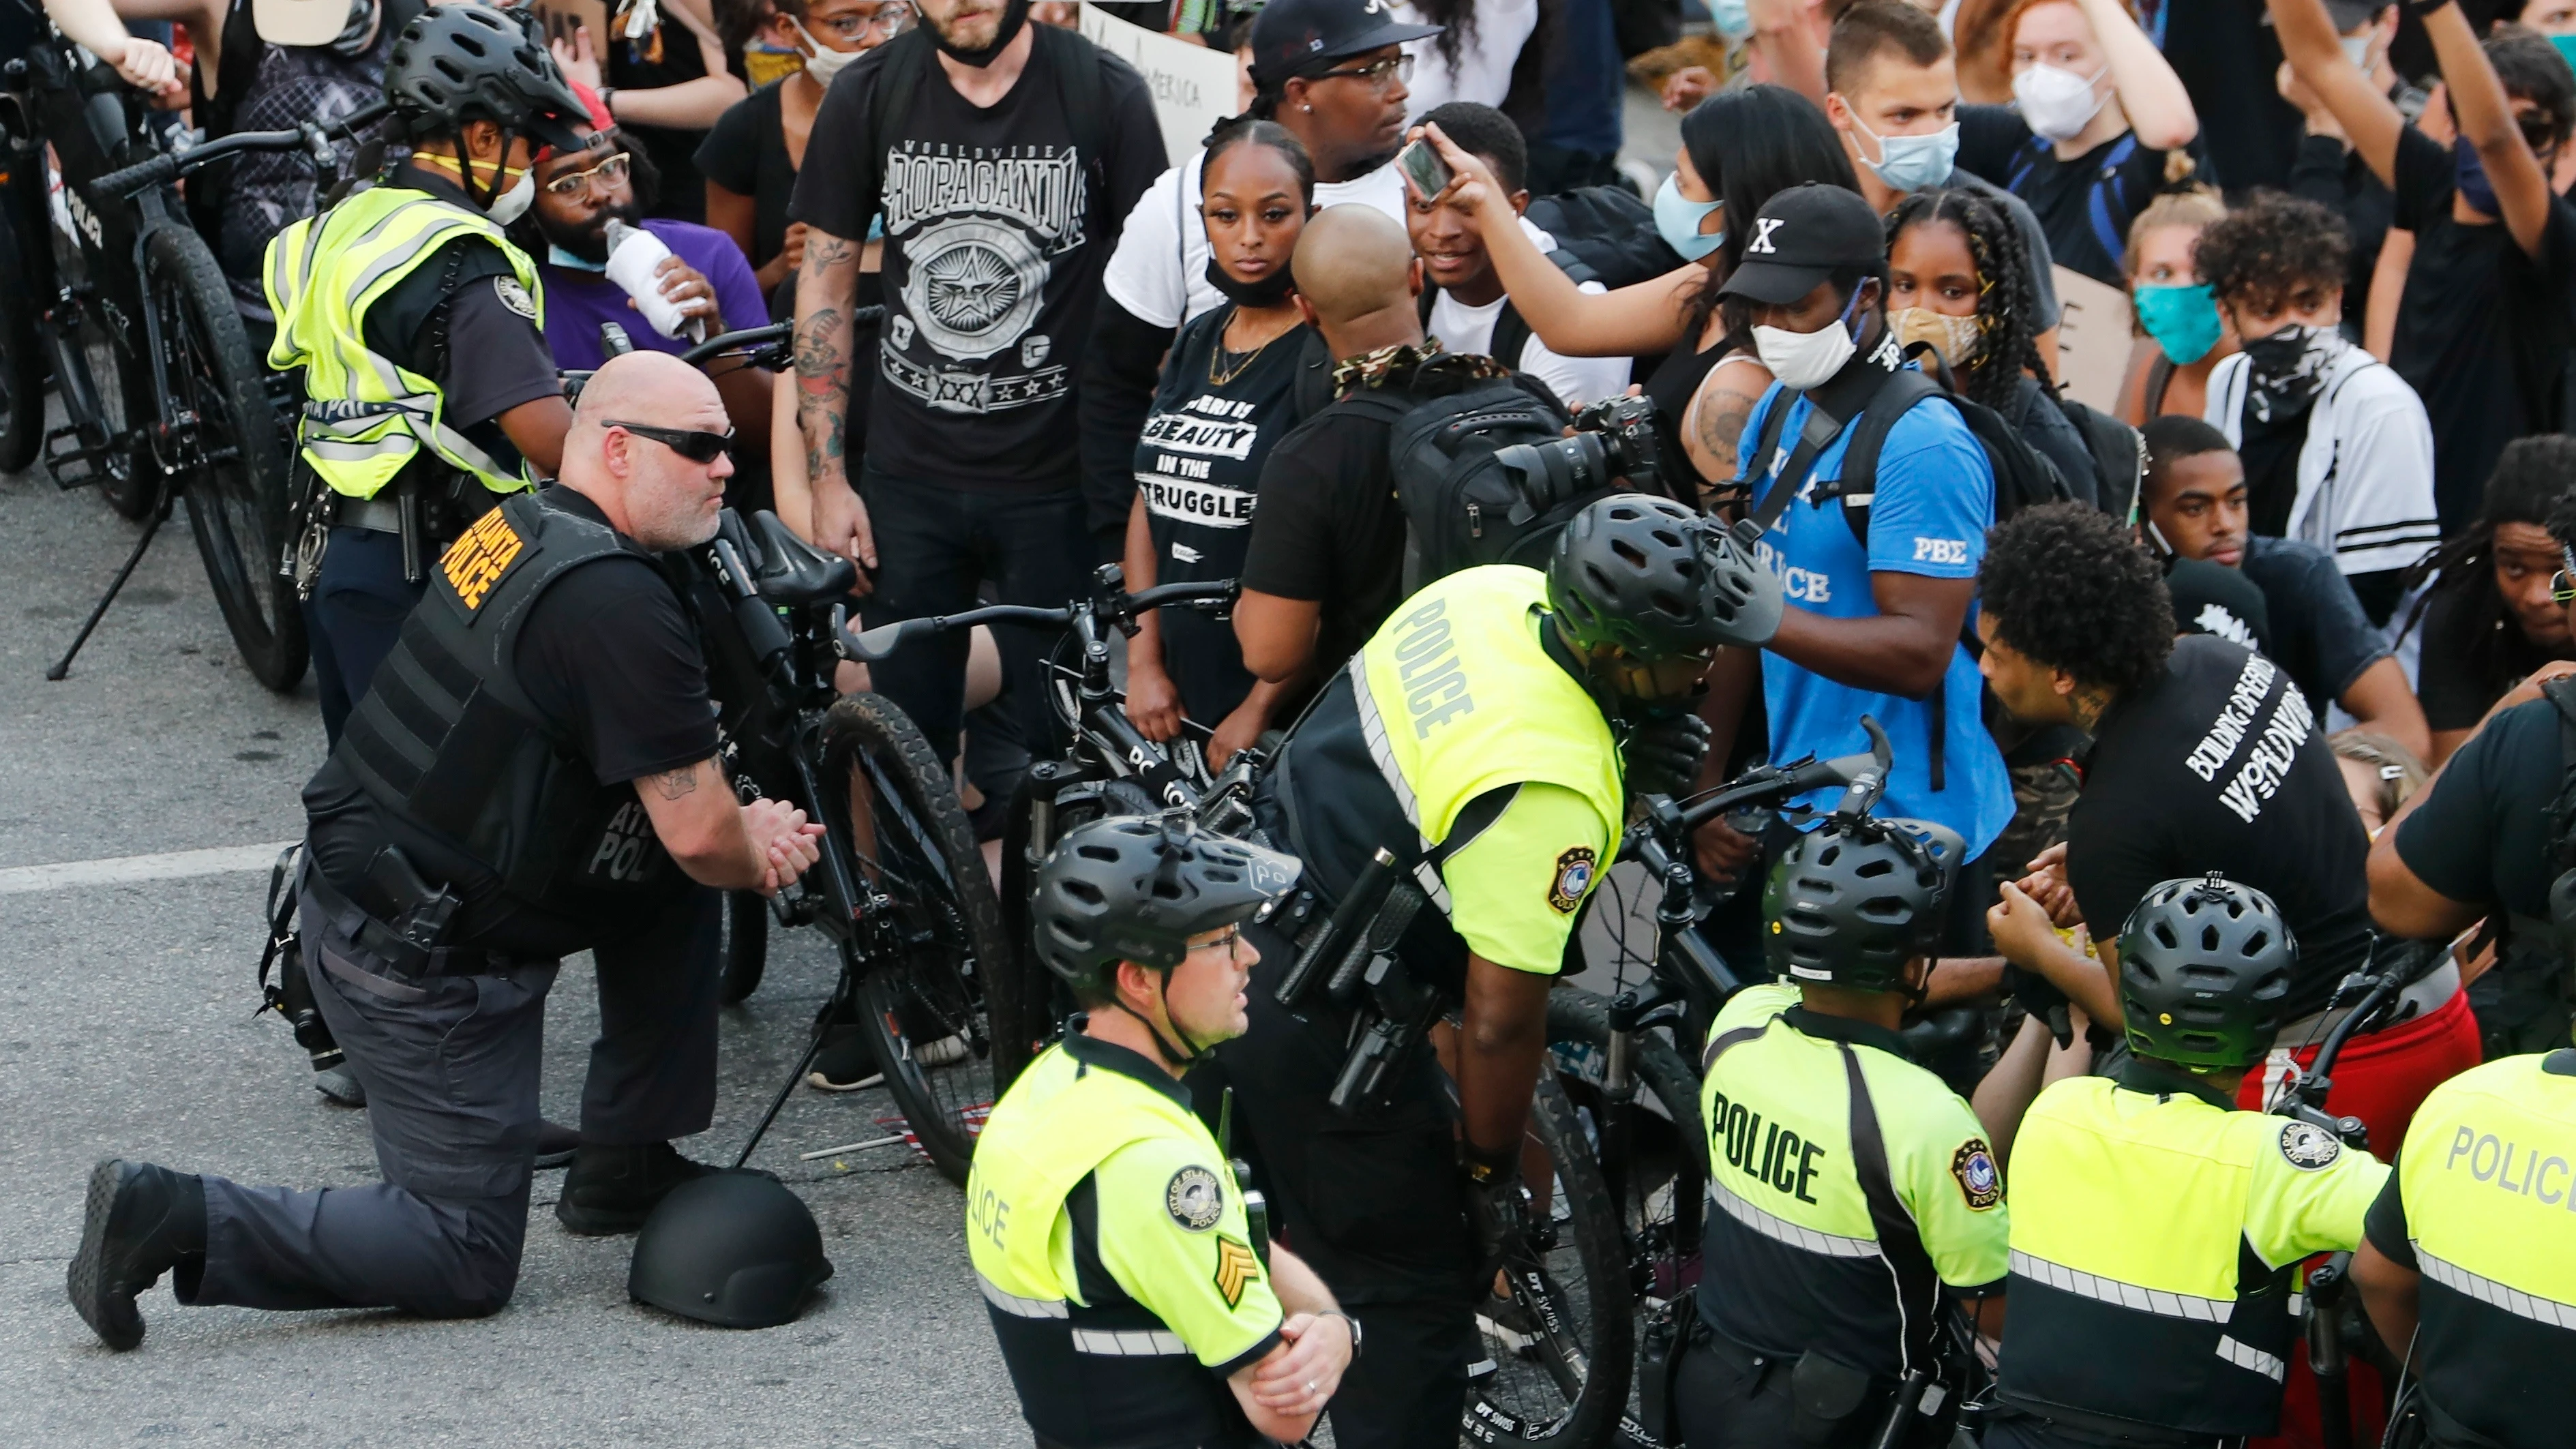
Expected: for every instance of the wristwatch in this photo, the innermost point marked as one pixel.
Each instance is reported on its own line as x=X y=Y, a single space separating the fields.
x=1352 y=1323
x=1483 y=1169
x=608 y=100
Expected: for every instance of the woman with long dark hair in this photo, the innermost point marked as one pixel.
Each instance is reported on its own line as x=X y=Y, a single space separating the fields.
x=1738 y=148
x=2489 y=619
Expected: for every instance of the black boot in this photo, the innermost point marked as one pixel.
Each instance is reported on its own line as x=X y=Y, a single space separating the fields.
x=141 y=1221
x=613 y=1189
x=556 y=1143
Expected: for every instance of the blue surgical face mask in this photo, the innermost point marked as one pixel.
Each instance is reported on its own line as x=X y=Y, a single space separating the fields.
x=1913 y=163
x=2183 y=320
x=1677 y=220
x=557 y=257
x=2475 y=188
x=2566 y=47
x=1733 y=18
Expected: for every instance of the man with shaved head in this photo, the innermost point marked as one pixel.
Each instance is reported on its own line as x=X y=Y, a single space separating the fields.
x=1326 y=562
x=533 y=775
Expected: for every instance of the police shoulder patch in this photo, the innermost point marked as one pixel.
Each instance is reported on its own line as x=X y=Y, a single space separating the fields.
x=1573 y=878
x=2308 y=1147
x=514 y=297
x=1980 y=1181
x=1194 y=1199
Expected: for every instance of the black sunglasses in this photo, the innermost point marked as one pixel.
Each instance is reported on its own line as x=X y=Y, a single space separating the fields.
x=697 y=447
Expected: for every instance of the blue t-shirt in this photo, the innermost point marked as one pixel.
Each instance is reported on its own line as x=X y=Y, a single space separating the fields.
x=1935 y=498
x=577 y=301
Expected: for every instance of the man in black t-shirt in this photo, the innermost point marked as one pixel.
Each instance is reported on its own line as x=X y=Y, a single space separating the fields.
x=1003 y=157
x=2483 y=332
x=545 y=783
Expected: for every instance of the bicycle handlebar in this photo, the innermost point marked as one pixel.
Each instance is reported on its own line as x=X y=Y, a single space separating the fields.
x=882 y=641
x=1858 y=773
x=142 y=174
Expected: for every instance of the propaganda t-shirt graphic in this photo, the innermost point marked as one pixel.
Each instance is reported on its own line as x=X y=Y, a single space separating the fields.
x=981 y=227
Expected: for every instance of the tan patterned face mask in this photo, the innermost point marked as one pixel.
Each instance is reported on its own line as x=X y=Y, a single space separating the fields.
x=1957 y=339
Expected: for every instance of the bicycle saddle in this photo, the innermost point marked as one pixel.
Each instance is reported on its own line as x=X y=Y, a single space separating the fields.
x=792 y=571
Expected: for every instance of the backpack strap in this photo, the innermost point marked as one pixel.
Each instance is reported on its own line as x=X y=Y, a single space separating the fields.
x=1511 y=337
x=1858 y=485
x=1083 y=91
x=2105 y=205
x=907 y=58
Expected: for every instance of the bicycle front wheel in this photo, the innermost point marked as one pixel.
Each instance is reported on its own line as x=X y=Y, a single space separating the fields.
x=1558 y=1351
x=929 y=947
x=22 y=361
x=744 y=948
x=235 y=467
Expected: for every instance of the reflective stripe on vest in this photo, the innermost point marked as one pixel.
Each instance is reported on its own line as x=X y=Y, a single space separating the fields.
x=1457 y=697
x=365 y=416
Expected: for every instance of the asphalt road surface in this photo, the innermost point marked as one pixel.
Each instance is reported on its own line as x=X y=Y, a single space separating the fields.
x=126 y=1029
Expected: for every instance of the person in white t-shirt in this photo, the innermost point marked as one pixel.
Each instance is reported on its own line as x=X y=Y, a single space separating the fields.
x=1472 y=56
x=1462 y=297
x=1333 y=72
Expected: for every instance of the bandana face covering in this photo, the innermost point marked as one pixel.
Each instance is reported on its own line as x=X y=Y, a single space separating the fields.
x=1270 y=291
x=2286 y=370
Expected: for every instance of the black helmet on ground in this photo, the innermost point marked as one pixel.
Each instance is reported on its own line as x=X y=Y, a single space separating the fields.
x=2204 y=967
x=1137 y=888
x=458 y=63
x=1655 y=581
x=737 y=1249
x=1855 y=899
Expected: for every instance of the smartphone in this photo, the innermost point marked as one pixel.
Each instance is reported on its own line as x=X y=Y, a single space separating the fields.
x=1419 y=162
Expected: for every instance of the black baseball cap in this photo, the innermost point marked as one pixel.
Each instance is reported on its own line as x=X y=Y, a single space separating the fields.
x=1304 y=37
x=1803 y=236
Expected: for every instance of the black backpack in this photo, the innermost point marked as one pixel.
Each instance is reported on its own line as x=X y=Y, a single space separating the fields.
x=1461 y=508
x=1604 y=234
x=2119 y=455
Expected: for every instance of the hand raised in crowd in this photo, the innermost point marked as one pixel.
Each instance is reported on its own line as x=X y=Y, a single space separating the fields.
x=1472 y=184
x=1688 y=87
x=687 y=288
x=791 y=256
x=577 y=58
x=148 y=65
x=785 y=840
x=1302 y=1380
x=1153 y=701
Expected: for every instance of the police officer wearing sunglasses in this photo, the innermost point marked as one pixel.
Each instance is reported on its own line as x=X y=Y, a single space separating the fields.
x=533 y=775
x=2493 y=836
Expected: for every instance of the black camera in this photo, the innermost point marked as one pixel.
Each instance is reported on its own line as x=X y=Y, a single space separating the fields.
x=1613 y=438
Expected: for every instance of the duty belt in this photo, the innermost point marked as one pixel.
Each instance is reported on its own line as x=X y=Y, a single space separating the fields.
x=382 y=947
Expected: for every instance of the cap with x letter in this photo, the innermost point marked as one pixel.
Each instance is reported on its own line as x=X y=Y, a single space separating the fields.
x=1304 y=37
x=1803 y=236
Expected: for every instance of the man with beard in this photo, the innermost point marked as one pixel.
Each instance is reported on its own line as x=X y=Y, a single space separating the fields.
x=547 y=785
x=1002 y=157
x=706 y=275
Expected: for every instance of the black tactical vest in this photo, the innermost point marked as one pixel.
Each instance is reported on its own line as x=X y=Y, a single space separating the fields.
x=448 y=743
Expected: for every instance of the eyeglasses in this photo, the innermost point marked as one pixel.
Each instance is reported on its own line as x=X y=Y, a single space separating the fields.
x=1377 y=72
x=696 y=446
x=892 y=18
x=610 y=172
x=1232 y=938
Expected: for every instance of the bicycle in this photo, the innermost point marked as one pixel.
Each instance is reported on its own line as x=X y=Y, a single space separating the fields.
x=122 y=301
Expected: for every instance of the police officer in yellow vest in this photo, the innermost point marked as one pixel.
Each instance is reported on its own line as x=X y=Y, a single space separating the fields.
x=2156 y=1230
x=429 y=390
x=1138 y=1303
x=1853 y=1194
x=2471 y=1258
x=1478 y=740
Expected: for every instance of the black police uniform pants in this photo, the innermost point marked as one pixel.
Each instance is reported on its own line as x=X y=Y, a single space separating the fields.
x=935 y=543
x=1373 y=1204
x=1726 y=1397
x=2015 y=1432
x=450 y=1064
x=357 y=610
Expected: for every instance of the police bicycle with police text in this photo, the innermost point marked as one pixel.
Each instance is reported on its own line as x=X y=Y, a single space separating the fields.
x=112 y=293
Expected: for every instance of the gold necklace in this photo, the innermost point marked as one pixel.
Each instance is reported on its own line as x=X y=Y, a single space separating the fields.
x=1220 y=375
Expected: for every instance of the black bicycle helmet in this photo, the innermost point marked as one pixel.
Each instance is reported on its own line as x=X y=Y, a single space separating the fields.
x=1137 y=888
x=1655 y=580
x=732 y=1248
x=2204 y=967
x=469 y=62
x=1854 y=900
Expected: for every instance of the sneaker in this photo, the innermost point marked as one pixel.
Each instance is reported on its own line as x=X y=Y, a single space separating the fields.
x=555 y=1143
x=948 y=1051
x=140 y=1222
x=613 y=1189
x=342 y=1086
x=845 y=1064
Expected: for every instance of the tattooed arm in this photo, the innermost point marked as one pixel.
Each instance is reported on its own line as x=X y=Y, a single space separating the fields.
x=760 y=847
x=1714 y=422
x=824 y=286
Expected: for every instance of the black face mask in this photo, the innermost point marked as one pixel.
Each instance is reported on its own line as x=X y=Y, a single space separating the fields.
x=1270 y=291
x=1014 y=15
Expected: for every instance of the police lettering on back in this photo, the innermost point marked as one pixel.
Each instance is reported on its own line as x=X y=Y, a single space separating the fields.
x=2491 y=1159
x=1435 y=687
x=1778 y=1159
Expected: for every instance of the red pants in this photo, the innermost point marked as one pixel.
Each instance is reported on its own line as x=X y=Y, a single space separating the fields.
x=2380 y=1078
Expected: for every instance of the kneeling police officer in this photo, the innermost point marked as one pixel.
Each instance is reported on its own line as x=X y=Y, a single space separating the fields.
x=1852 y=1192
x=1454 y=794
x=535 y=775
x=1124 y=1274
x=2157 y=1230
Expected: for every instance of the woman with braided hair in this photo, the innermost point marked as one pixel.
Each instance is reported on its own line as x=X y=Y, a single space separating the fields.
x=1958 y=279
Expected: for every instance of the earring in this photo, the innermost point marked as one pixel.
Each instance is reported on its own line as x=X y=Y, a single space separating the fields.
x=1310 y=110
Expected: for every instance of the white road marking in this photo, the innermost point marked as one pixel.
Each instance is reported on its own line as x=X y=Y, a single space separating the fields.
x=124 y=869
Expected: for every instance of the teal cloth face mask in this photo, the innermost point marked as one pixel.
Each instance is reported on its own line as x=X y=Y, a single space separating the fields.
x=2183 y=320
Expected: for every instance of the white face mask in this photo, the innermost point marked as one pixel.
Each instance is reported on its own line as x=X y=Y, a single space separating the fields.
x=1802 y=360
x=2057 y=104
x=825 y=62
x=2356 y=48
x=512 y=204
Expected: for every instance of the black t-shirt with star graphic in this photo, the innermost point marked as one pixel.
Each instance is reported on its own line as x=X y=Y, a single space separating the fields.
x=995 y=242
